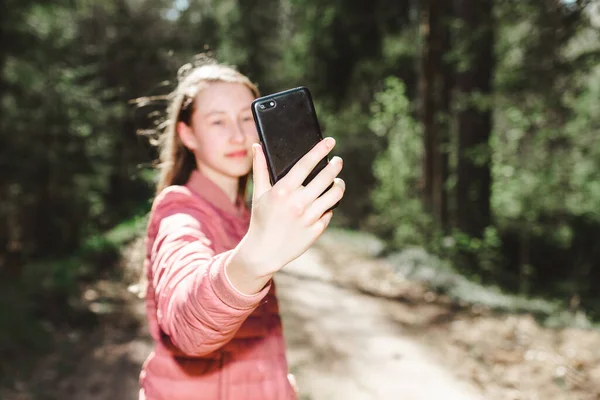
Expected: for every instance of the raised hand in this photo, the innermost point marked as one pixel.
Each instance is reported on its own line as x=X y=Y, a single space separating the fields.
x=287 y=218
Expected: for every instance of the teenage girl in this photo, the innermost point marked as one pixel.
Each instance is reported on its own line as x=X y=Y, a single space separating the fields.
x=211 y=302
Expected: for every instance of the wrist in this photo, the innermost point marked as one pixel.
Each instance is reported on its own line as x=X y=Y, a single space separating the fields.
x=246 y=272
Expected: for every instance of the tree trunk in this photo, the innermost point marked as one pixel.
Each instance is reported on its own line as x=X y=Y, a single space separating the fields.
x=474 y=120
x=445 y=113
x=435 y=91
x=427 y=106
x=4 y=233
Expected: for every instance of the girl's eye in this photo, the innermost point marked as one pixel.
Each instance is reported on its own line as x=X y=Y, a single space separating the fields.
x=217 y=122
x=247 y=119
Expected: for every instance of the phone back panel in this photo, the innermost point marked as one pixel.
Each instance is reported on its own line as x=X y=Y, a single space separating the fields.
x=287 y=130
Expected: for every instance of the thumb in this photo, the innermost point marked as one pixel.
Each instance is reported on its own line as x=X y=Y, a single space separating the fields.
x=260 y=172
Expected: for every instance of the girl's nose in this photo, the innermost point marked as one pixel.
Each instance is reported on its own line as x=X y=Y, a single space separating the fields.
x=237 y=134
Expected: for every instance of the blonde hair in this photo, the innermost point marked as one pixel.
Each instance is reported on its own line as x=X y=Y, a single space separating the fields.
x=177 y=161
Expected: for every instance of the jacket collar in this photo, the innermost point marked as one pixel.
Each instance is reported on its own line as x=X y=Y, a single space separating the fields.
x=211 y=192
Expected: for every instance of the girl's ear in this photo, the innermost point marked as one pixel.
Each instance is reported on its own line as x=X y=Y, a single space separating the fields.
x=186 y=134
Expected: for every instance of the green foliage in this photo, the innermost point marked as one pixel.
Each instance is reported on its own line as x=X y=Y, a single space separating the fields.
x=47 y=286
x=72 y=152
x=560 y=174
x=545 y=145
x=466 y=251
x=545 y=159
x=60 y=278
x=73 y=166
x=545 y=151
x=54 y=126
x=398 y=168
x=357 y=146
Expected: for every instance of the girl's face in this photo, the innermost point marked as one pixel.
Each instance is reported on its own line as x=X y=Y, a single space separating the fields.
x=222 y=130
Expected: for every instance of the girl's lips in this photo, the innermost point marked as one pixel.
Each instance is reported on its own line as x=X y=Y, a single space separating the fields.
x=241 y=153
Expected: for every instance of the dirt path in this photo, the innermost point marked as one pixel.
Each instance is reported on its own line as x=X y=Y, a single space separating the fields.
x=343 y=344
x=355 y=330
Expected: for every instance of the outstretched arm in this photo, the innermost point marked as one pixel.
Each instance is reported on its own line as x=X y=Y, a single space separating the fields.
x=197 y=306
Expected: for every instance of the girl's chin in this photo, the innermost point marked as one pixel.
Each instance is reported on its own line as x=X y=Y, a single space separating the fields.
x=233 y=168
x=239 y=171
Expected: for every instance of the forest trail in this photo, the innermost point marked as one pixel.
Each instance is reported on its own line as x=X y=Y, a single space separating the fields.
x=355 y=330
x=345 y=345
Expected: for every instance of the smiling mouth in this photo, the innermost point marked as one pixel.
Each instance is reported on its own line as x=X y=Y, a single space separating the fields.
x=237 y=154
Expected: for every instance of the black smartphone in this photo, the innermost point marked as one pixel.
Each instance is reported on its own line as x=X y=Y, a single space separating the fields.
x=288 y=128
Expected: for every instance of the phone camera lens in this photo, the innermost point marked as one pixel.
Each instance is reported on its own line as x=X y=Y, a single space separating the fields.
x=267 y=105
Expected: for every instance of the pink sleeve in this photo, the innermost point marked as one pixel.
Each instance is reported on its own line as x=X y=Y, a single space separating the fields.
x=197 y=307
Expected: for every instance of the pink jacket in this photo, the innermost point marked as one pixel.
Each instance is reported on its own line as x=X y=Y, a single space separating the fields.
x=211 y=341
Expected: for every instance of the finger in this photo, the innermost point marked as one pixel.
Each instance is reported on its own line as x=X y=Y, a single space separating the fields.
x=322 y=181
x=322 y=223
x=307 y=163
x=321 y=205
x=260 y=172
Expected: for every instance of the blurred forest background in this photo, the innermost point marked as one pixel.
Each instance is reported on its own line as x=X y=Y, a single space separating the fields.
x=469 y=129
